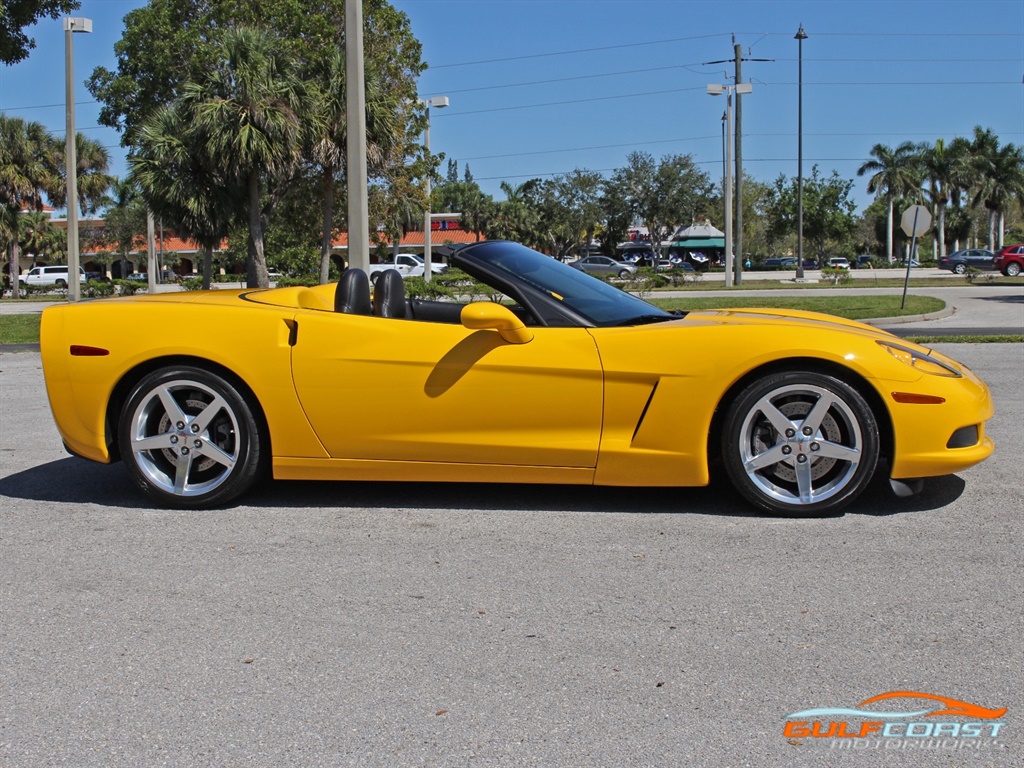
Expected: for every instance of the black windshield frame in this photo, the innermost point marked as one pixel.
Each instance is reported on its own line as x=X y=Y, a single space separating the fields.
x=554 y=292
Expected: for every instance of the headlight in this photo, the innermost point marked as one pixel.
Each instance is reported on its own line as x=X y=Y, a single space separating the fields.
x=922 y=361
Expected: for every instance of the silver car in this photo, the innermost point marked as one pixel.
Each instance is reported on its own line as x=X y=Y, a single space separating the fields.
x=602 y=265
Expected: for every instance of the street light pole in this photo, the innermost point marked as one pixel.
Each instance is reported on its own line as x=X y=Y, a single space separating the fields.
x=738 y=266
x=355 y=145
x=439 y=102
x=718 y=90
x=800 y=37
x=72 y=25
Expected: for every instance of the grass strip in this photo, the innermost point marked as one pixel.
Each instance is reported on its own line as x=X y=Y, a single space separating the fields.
x=850 y=307
x=19 y=329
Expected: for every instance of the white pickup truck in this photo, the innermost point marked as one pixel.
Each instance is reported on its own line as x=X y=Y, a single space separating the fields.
x=409 y=265
x=56 y=276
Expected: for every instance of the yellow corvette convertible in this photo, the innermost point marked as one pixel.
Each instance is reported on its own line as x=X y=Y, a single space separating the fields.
x=569 y=380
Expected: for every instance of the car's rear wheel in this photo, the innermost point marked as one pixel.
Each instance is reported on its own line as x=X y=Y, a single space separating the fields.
x=960 y=268
x=189 y=438
x=1012 y=269
x=61 y=284
x=800 y=443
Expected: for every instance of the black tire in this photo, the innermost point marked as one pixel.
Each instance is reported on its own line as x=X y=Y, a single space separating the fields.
x=624 y=274
x=960 y=269
x=779 y=468
x=61 y=284
x=1012 y=269
x=189 y=438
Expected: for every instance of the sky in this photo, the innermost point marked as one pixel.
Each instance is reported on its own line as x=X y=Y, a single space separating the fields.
x=543 y=87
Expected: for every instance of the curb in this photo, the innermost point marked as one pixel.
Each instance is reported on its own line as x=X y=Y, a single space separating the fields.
x=948 y=311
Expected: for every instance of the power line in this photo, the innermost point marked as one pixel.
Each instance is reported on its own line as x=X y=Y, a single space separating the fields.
x=647 y=43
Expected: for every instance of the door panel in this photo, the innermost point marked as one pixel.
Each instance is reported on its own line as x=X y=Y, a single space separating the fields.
x=376 y=388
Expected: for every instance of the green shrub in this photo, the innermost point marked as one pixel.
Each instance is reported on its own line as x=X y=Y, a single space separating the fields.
x=836 y=275
x=98 y=289
x=418 y=288
x=130 y=287
x=191 y=284
x=306 y=280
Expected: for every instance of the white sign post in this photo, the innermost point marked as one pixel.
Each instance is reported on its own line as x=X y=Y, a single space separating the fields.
x=916 y=221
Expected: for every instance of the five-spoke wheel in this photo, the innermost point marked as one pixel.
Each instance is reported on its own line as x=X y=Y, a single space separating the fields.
x=189 y=438
x=800 y=443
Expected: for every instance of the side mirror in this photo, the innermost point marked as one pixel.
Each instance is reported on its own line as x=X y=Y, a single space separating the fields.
x=489 y=316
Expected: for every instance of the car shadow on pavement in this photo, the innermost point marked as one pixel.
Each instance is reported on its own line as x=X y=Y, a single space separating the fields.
x=76 y=481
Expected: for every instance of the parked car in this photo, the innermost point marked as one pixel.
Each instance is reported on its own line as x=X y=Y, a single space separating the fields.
x=960 y=261
x=56 y=276
x=139 y=277
x=640 y=254
x=574 y=382
x=409 y=265
x=695 y=259
x=1010 y=260
x=839 y=262
x=603 y=265
x=782 y=262
x=810 y=264
x=864 y=261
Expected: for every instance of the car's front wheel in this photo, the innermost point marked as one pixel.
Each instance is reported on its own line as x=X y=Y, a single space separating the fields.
x=623 y=274
x=189 y=438
x=1012 y=269
x=800 y=443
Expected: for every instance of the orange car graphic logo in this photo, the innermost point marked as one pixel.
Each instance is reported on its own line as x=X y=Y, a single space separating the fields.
x=911 y=722
x=947 y=706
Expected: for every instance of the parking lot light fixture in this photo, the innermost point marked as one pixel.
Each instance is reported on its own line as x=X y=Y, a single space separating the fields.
x=437 y=102
x=716 y=89
x=800 y=37
x=72 y=25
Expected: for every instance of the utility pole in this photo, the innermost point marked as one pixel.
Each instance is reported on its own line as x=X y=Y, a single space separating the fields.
x=738 y=263
x=737 y=61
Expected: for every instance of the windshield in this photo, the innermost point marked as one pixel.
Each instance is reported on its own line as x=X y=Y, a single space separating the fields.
x=600 y=303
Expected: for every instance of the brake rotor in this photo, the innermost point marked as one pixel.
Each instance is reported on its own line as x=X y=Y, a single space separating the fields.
x=829 y=430
x=190 y=407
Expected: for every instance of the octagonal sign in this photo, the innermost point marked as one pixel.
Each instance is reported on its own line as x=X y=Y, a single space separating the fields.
x=916 y=220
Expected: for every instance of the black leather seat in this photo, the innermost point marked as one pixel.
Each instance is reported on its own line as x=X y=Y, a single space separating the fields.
x=352 y=295
x=389 y=294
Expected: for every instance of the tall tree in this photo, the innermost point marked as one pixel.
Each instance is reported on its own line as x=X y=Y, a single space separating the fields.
x=662 y=194
x=16 y=15
x=829 y=223
x=894 y=173
x=29 y=169
x=92 y=161
x=475 y=207
x=168 y=43
x=181 y=183
x=1000 y=180
x=245 y=117
x=124 y=222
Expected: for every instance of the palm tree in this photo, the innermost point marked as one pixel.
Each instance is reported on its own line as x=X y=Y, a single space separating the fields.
x=895 y=173
x=387 y=118
x=962 y=176
x=181 y=184
x=937 y=163
x=246 y=119
x=1001 y=174
x=28 y=170
x=124 y=221
x=984 y=149
x=35 y=233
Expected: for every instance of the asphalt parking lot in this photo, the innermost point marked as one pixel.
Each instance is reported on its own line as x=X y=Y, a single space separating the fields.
x=373 y=624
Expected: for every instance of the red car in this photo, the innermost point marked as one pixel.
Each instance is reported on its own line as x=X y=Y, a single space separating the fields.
x=1010 y=260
